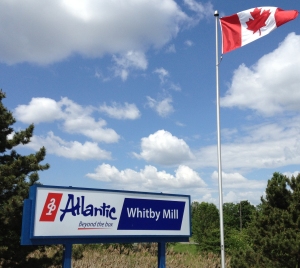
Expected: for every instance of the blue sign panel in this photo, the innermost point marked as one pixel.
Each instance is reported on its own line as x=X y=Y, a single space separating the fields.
x=147 y=214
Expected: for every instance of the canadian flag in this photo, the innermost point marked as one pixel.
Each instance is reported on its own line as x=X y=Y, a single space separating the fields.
x=246 y=26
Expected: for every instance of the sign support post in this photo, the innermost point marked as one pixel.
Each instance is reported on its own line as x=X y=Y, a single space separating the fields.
x=67 y=256
x=161 y=255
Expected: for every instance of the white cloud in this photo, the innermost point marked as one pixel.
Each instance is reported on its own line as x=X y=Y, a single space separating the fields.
x=236 y=180
x=175 y=87
x=99 y=74
x=228 y=133
x=179 y=124
x=76 y=118
x=242 y=195
x=270 y=86
x=208 y=198
x=67 y=149
x=163 y=74
x=268 y=145
x=163 y=108
x=130 y=60
x=148 y=178
x=165 y=149
x=202 y=10
x=237 y=188
x=171 y=49
x=230 y=197
x=197 y=6
x=49 y=31
x=38 y=110
x=290 y=174
x=189 y=43
x=118 y=111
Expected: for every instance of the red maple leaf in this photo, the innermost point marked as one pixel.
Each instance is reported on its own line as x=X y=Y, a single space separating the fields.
x=258 y=21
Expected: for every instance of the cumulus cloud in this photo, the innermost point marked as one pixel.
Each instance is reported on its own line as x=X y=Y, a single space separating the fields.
x=270 y=86
x=68 y=149
x=237 y=188
x=148 y=178
x=39 y=110
x=49 y=31
x=118 y=111
x=268 y=145
x=75 y=118
x=165 y=149
x=236 y=180
x=253 y=196
x=162 y=107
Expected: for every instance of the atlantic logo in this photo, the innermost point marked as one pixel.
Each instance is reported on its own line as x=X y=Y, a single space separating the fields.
x=51 y=207
x=74 y=206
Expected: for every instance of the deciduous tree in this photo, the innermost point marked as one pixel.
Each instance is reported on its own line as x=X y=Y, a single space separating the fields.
x=206 y=227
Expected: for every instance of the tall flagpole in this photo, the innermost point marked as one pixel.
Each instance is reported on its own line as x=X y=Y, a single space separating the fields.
x=219 y=146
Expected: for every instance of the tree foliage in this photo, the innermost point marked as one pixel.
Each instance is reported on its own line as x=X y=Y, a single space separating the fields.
x=236 y=218
x=269 y=236
x=274 y=232
x=205 y=226
x=17 y=174
x=231 y=216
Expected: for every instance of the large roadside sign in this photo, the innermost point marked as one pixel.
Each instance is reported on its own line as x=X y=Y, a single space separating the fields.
x=55 y=214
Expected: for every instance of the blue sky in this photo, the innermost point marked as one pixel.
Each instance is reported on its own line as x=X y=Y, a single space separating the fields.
x=122 y=95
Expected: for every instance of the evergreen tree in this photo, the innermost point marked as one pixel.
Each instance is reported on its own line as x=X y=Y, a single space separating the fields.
x=274 y=231
x=17 y=174
x=247 y=211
